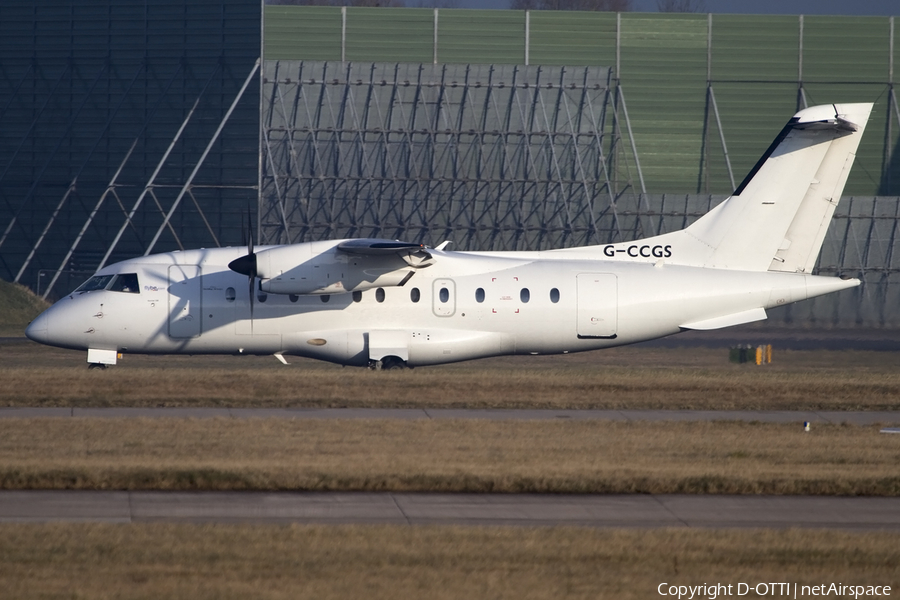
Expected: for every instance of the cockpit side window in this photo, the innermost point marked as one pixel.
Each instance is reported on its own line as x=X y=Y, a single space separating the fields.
x=97 y=282
x=126 y=282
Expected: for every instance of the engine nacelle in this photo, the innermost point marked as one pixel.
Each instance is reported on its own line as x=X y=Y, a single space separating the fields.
x=320 y=268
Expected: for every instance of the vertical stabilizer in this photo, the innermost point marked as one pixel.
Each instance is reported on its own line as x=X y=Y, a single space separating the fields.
x=777 y=217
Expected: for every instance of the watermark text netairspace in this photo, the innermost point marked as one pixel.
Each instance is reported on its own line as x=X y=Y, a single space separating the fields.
x=775 y=589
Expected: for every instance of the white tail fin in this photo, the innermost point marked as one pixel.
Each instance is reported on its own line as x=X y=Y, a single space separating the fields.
x=777 y=218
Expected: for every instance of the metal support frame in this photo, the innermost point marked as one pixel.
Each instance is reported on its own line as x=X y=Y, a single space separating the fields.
x=148 y=188
x=71 y=188
x=25 y=137
x=190 y=179
x=110 y=189
x=494 y=156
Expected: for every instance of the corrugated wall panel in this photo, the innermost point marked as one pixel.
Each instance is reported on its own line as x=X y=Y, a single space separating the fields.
x=394 y=34
x=755 y=48
x=755 y=69
x=313 y=32
x=572 y=38
x=663 y=73
x=481 y=36
x=845 y=49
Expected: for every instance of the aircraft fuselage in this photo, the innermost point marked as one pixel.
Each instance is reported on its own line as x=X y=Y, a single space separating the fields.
x=461 y=307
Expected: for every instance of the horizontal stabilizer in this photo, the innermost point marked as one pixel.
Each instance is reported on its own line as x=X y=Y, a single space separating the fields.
x=747 y=316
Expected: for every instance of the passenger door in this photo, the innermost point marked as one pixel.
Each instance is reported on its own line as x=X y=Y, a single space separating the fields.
x=597 y=305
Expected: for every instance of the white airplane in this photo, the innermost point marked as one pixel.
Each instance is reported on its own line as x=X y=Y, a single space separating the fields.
x=389 y=304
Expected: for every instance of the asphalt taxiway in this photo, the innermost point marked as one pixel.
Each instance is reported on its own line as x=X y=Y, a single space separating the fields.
x=627 y=511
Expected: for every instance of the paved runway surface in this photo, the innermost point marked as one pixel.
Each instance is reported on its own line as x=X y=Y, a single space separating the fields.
x=774 y=416
x=457 y=509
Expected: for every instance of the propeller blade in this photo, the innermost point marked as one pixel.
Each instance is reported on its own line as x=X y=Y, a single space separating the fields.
x=251 y=281
x=246 y=265
x=249 y=232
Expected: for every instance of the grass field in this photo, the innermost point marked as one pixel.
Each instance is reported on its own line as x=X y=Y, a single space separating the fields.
x=447 y=456
x=223 y=561
x=18 y=306
x=374 y=562
x=630 y=377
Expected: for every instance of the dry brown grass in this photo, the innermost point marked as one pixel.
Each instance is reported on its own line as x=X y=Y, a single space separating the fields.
x=31 y=375
x=374 y=562
x=446 y=455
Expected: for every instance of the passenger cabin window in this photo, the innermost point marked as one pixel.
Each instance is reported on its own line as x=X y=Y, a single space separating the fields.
x=554 y=295
x=230 y=294
x=125 y=282
x=357 y=296
x=379 y=294
x=293 y=297
x=97 y=282
x=444 y=295
x=325 y=297
x=261 y=296
x=524 y=295
x=415 y=295
x=479 y=295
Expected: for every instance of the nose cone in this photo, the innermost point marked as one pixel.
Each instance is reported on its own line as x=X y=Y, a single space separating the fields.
x=38 y=330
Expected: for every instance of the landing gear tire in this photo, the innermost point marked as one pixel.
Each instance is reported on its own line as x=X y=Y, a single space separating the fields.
x=388 y=363
x=392 y=363
x=92 y=366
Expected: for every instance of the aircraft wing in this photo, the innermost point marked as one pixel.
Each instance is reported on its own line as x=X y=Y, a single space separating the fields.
x=416 y=255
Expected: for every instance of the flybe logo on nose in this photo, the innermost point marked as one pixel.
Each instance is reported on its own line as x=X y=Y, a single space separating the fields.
x=636 y=251
x=152 y=288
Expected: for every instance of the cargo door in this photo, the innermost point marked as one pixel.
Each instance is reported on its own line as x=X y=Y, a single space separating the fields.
x=597 y=305
x=185 y=290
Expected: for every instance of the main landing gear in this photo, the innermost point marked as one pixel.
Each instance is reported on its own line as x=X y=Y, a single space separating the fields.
x=388 y=363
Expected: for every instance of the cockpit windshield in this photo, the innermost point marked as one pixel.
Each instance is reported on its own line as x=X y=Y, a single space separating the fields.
x=97 y=282
x=123 y=282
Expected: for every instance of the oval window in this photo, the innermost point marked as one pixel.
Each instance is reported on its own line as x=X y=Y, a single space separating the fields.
x=444 y=295
x=524 y=295
x=379 y=294
x=229 y=294
x=325 y=298
x=357 y=296
x=415 y=295
x=293 y=297
x=554 y=295
x=262 y=296
x=479 y=295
